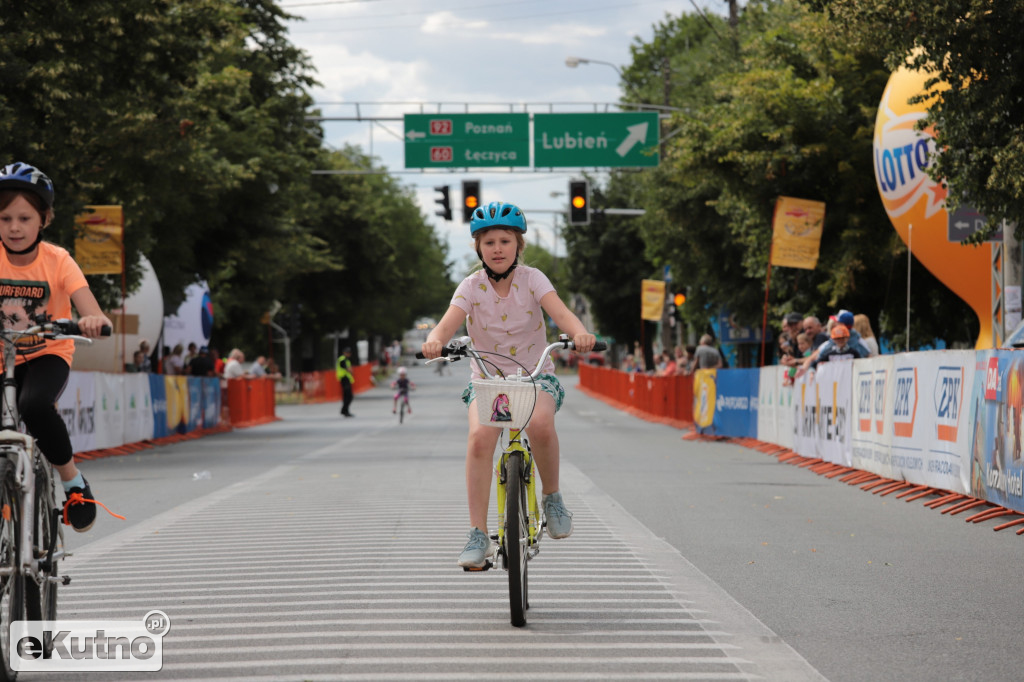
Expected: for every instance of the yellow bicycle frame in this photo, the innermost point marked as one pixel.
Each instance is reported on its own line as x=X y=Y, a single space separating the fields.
x=531 y=487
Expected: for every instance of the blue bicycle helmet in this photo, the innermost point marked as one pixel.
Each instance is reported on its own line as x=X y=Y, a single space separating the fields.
x=497 y=214
x=21 y=176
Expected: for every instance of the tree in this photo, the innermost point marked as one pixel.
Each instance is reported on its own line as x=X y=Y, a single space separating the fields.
x=790 y=113
x=972 y=50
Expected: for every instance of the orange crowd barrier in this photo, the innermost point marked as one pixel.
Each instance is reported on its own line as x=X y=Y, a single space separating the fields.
x=663 y=399
x=250 y=401
x=323 y=386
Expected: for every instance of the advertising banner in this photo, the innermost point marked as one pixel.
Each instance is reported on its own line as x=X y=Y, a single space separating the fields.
x=176 y=391
x=871 y=431
x=652 y=299
x=158 y=396
x=704 y=400
x=77 y=408
x=804 y=409
x=138 y=409
x=929 y=446
x=796 y=232
x=736 y=392
x=211 y=401
x=99 y=240
x=109 y=410
x=997 y=462
x=195 y=403
x=833 y=387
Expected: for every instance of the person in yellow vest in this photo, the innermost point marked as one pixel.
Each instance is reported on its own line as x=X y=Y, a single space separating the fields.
x=343 y=370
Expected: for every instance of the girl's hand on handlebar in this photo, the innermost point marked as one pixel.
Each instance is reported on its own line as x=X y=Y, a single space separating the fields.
x=431 y=349
x=584 y=342
x=92 y=325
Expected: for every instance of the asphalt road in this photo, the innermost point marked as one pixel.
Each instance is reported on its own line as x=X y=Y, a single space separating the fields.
x=323 y=548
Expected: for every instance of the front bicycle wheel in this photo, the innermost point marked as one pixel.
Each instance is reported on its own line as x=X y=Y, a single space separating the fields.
x=12 y=599
x=401 y=412
x=41 y=599
x=516 y=536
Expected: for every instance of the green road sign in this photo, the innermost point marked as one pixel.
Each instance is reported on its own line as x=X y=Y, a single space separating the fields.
x=613 y=139
x=467 y=140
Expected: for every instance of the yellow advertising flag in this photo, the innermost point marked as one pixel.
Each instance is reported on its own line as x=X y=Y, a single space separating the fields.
x=652 y=299
x=796 y=232
x=99 y=240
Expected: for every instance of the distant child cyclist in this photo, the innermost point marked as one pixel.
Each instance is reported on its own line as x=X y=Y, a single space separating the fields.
x=402 y=385
x=503 y=306
x=40 y=277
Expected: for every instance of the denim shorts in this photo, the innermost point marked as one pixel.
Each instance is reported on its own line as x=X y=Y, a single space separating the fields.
x=546 y=382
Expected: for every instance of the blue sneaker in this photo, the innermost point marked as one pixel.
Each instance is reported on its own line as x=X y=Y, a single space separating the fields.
x=479 y=549
x=559 y=519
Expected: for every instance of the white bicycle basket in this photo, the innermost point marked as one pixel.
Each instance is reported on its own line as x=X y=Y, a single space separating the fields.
x=501 y=403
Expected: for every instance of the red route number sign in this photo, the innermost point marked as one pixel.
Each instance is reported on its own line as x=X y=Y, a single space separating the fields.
x=440 y=126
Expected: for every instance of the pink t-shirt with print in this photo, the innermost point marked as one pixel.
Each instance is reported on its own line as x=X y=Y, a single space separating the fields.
x=513 y=325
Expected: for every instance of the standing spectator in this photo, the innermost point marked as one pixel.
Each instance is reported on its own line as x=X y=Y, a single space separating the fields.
x=813 y=328
x=233 y=367
x=192 y=351
x=175 y=362
x=706 y=355
x=683 y=361
x=667 y=366
x=396 y=352
x=258 y=368
x=201 y=365
x=867 y=337
x=147 y=365
x=343 y=370
x=629 y=364
x=838 y=347
x=274 y=372
x=218 y=362
x=136 y=363
x=792 y=324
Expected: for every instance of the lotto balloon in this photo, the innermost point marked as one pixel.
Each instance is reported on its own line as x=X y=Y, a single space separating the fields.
x=902 y=155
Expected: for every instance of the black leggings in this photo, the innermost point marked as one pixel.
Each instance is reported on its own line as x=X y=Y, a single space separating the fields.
x=40 y=382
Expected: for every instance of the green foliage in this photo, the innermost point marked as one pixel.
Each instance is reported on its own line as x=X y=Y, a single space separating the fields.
x=193 y=117
x=786 y=110
x=972 y=50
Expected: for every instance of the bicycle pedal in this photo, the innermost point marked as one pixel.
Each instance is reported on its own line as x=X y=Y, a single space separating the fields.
x=65 y=580
x=472 y=569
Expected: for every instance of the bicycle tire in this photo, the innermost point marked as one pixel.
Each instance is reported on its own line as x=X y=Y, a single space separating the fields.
x=516 y=535
x=401 y=412
x=12 y=588
x=41 y=600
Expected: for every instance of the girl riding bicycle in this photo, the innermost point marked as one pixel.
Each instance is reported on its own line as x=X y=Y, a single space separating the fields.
x=503 y=307
x=402 y=385
x=37 y=277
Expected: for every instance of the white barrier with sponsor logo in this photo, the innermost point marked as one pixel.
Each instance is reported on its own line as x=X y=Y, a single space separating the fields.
x=899 y=416
x=138 y=408
x=77 y=408
x=109 y=410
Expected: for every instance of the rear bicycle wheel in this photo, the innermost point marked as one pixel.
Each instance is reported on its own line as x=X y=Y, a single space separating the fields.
x=12 y=594
x=41 y=600
x=516 y=537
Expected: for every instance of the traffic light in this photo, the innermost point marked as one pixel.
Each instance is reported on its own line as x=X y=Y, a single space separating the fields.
x=679 y=300
x=579 y=202
x=446 y=207
x=470 y=198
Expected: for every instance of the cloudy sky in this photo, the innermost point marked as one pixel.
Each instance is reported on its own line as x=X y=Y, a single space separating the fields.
x=386 y=58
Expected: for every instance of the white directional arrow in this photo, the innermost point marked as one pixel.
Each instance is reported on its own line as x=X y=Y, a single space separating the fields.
x=637 y=133
x=415 y=134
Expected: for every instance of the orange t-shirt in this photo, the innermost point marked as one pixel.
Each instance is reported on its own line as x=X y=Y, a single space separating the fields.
x=45 y=285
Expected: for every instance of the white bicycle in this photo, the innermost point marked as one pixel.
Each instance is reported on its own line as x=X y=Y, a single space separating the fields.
x=31 y=533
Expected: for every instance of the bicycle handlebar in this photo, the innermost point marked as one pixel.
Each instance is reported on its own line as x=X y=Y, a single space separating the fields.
x=463 y=347
x=53 y=330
